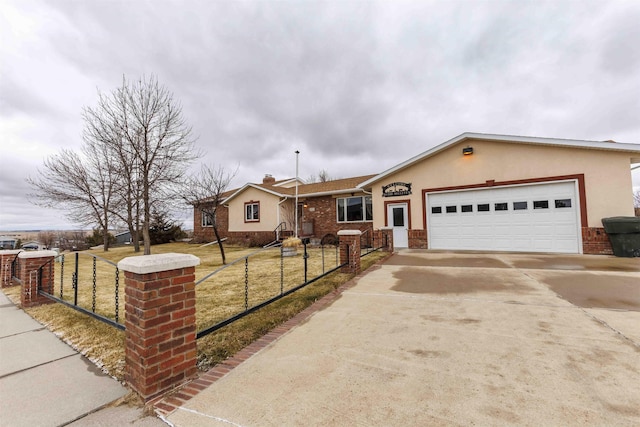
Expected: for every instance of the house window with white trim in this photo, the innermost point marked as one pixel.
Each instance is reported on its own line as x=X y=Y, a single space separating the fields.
x=207 y=219
x=354 y=209
x=252 y=212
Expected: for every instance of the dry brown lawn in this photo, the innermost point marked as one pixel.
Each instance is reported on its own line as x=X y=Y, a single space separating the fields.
x=217 y=298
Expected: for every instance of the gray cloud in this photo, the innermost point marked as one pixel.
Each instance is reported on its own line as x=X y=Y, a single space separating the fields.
x=620 y=54
x=355 y=86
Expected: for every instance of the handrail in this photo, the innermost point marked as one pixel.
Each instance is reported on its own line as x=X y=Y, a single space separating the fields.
x=281 y=227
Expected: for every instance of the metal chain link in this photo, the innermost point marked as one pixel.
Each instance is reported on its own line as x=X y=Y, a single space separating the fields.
x=246 y=283
x=93 y=297
x=117 y=287
x=61 y=275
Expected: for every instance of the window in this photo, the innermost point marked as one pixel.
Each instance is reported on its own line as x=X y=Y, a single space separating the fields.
x=252 y=212
x=466 y=208
x=436 y=209
x=207 y=220
x=355 y=209
x=452 y=209
x=563 y=203
x=519 y=206
x=501 y=206
x=398 y=217
x=484 y=207
x=541 y=204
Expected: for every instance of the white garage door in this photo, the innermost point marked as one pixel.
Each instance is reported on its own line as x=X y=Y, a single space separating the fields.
x=523 y=218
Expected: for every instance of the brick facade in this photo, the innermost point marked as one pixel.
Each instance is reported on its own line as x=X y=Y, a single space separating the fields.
x=418 y=239
x=595 y=241
x=160 y=322
x=206 y=234
x=250 y=238
x=322 y=211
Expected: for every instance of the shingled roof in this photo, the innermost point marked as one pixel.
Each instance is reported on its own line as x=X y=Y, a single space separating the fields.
x=336 y=186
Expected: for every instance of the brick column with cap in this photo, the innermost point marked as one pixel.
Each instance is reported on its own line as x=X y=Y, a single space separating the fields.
x=350 y=250
x=386 y=233
x=160 y=321
x=6 y=259
x=35 y=271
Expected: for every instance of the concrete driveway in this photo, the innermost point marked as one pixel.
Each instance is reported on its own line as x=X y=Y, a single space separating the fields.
x=451 y=339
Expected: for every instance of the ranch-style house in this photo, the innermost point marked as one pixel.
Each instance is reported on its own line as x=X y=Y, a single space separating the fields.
x=473 y=192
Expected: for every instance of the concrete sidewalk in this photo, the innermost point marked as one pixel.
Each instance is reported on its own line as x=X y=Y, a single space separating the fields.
x=448 y=339
x=44 y=382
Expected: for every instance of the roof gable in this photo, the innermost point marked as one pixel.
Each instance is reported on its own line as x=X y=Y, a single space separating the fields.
x=552 y=142
x=288 y=183
x=262 y=187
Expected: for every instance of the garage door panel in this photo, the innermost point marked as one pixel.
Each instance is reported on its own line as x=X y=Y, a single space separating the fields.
x=522 y=245
x=564 y=245
x=552 y=227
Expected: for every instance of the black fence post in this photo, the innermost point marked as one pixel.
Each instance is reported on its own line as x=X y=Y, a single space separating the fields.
x=306 y=257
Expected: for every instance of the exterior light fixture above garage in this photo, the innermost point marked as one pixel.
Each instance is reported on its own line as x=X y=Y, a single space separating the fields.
x=467 y=151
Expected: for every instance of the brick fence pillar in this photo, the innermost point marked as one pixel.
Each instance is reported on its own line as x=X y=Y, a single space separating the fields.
x=350 y=250
x=35 y=271
x=387 y=236
x=160 y=321
x=6 y=259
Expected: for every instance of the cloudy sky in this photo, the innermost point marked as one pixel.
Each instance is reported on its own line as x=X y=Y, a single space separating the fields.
x=355 y=86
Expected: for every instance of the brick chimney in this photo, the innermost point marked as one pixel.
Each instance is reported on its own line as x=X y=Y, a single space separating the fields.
x=268 y=180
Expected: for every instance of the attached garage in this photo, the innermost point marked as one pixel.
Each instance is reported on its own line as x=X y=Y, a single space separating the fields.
x=492 y=192
x=522 y=218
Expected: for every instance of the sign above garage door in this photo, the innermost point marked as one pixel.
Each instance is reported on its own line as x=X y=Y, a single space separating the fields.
x=542 y=217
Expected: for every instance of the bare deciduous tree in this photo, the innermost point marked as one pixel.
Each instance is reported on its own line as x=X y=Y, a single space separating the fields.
x=205 y=192
x=142 y=126
x=47 y=238
x=103 y=126
x=323 y=176
x=83 y=185
x=136 y=148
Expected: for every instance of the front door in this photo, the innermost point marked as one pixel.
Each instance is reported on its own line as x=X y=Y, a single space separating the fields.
x=398 y=216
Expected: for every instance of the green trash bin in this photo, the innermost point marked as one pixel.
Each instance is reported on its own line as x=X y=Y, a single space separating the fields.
x=624 y=233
